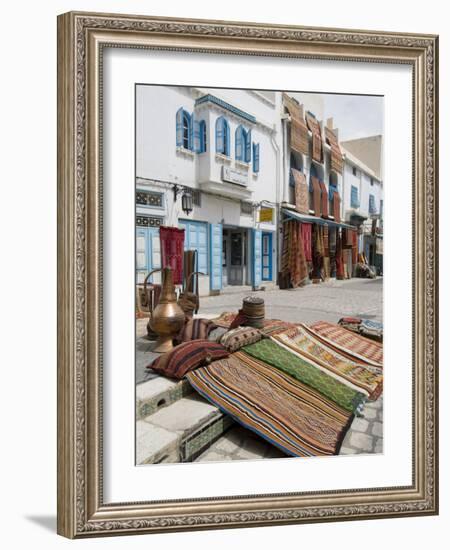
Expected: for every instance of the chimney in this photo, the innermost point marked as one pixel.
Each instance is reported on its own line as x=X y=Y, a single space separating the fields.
x=330 y=123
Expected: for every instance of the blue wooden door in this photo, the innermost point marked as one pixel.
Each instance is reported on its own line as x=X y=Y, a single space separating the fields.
x=196 y=238
x=266 y=257
x=256 y=257
x=148 y=253
x=215 y=279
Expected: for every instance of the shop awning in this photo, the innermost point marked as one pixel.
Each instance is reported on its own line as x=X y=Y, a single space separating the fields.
x=306 y=218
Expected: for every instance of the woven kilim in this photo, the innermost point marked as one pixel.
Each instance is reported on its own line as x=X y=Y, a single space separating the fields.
x=317 y=196
x=363 y=378
x=306 y=372
x=314 y=126
x=301 y=192
x=357 y=346
x=299 y=131
x=324 y=199
x=275 y=326
x=295 y=418
x=336 y=153
x=225 y=319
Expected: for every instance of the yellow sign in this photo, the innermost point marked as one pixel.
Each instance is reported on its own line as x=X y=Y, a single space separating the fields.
x=266 y=215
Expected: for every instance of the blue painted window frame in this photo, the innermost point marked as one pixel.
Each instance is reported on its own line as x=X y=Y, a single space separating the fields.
x=372 y=207
x=222 y=136
x=354 y=197
x=184 y=129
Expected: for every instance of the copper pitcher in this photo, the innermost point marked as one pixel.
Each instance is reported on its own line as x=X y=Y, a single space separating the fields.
x=167 y=318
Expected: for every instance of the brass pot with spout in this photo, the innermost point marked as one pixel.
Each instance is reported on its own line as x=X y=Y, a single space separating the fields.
x=167 y=318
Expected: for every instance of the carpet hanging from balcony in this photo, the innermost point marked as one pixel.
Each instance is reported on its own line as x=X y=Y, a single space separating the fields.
x=301 y=192
x=336 y=153
x=289 y=414
x=299 y=131
x=314 y=126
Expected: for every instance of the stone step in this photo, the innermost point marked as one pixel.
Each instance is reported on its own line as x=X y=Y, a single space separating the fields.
x=180 y=432
x=157 y=393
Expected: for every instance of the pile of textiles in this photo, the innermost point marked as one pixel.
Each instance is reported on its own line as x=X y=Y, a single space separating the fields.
x=289 y=414
x=365 y=327
x=297 y=386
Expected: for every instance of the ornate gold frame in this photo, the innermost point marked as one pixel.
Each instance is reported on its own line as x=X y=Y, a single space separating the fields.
x=81 y=37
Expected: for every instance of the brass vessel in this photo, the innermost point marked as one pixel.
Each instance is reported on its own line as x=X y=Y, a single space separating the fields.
x=167 y=318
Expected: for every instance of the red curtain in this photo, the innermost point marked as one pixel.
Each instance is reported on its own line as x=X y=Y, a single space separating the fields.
x=172 y=248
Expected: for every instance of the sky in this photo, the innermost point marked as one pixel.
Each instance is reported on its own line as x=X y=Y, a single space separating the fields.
x=355 y=116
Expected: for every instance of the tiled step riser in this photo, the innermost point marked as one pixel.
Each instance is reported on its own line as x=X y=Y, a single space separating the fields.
x=180 y=432
x=147 y=405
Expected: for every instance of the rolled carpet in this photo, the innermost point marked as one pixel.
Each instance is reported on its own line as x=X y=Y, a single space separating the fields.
x=307 y=373
x=290 y=415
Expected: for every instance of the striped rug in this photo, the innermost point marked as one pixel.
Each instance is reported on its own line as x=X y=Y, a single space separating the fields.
x=357 y=375
x=353 y=344
x=292 y=416
x=308 y=373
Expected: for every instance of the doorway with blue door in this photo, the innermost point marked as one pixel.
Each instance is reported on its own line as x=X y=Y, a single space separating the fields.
x=266 y=256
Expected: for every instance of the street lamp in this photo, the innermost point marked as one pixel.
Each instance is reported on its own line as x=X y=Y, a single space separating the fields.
x=186 y=202
x=186 y=198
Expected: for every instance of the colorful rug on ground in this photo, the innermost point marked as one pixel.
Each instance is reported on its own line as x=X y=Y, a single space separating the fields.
x=308 y=373
x=357 y=375
x=355 y=345
x=292 y=416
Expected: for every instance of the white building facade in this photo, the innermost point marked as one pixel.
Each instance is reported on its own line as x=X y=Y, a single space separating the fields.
x=230 y=151
x=221 y=147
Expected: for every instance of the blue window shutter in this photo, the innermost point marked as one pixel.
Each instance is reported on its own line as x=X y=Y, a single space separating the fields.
x=215 y=277
x=239 y=135
x=219 y=135
x=197 y=140
x=248 y=145
x=227 y=137
x=191 y=131
x=202 y=136
x=179 y=127
x=256 y=158
x=256 y=257
x=372 y=208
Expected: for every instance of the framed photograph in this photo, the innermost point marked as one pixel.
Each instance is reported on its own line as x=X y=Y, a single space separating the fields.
x=247 y=282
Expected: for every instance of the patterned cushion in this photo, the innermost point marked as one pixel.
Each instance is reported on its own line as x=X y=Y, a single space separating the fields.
x=188 y=356
x=195 y=329
x=238 y=337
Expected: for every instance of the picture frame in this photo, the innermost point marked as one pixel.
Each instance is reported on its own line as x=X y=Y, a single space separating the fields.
x=82 y=39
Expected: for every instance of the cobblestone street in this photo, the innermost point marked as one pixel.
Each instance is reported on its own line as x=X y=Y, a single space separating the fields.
x=326 y=301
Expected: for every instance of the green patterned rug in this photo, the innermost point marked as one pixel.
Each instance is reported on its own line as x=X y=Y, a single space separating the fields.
x=273 y=354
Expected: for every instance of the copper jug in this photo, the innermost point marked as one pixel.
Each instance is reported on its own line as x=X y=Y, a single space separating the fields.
x=167 y=318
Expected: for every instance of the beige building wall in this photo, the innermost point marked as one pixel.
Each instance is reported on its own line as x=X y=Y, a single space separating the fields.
x=369 y=150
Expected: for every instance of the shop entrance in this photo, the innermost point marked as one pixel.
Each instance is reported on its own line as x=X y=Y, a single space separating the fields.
x=235 y=254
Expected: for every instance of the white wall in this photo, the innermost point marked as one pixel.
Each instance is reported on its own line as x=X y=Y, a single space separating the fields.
x=28 y=504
